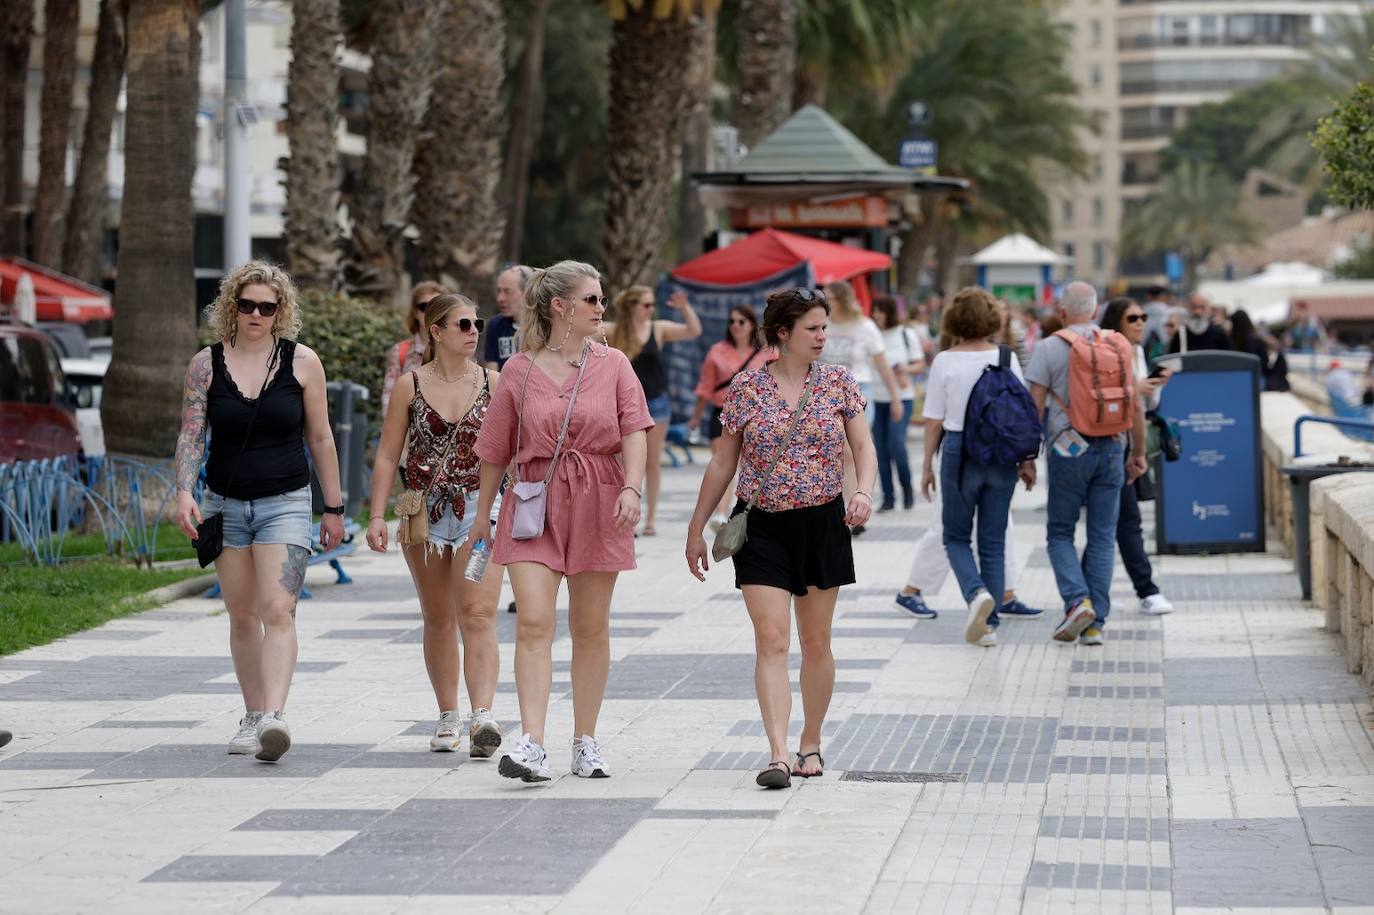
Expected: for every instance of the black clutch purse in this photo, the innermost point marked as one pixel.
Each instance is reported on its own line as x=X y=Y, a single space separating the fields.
x=209 y=539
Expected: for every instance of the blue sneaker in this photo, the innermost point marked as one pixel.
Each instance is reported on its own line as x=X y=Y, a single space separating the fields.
x=1014 y=607
x=916 y=606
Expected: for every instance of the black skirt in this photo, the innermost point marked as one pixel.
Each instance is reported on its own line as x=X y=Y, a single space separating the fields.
x=797 y=549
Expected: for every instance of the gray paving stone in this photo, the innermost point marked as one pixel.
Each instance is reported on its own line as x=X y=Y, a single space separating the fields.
x=1116 y=667
x=229 y=868
x=192 y=761
x=1262 y=586
x=1115 y=692
x=104 y=678
x=1116 y=734
x=362 y=634
x=306 y=820
x=1084 y=876
x=1107 y=765
x=37 y=760
x=119 y=723
x=106 y=634
x=1141 y=829
x=873 y=632
x=412 y=616
x=717 y=813
x=632 y=632
x=1251 y=862
x=1343 y=844
x=380 y=759
x=1258 y=680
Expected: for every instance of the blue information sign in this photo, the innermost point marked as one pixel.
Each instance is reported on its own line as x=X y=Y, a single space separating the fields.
x=1211 y=499
x=917 y=153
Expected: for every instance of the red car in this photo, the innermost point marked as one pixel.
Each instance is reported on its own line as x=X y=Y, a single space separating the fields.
x=37 y=415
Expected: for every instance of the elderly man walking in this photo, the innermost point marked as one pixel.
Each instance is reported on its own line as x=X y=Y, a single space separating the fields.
x=1082 y=379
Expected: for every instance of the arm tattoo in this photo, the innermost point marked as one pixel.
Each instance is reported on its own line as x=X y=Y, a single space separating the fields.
x=191 y=441
x=293 y=571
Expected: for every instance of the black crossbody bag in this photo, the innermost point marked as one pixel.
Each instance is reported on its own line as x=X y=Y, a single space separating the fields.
x=727 y=382
x=210 y=531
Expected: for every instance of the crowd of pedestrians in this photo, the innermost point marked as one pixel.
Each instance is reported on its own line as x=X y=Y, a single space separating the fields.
x=530 y=445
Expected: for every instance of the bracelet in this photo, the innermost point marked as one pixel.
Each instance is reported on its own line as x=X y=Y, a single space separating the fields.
x=860 y=492
x=633 y=490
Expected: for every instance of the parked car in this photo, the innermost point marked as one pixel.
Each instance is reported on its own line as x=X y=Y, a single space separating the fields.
x=101 y=348
x=86 y=379
x=70 y=339
x=37 y=408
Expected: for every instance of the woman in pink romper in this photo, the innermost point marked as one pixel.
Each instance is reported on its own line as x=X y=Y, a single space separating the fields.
x=592 y=504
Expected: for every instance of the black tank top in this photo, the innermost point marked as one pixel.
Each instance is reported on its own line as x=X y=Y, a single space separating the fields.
x=648 y=366
x=273 y=460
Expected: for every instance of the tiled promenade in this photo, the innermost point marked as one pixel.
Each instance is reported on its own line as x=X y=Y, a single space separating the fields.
x=1216 y=759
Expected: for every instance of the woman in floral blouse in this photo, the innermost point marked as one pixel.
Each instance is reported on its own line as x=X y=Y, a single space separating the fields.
x=798 y=547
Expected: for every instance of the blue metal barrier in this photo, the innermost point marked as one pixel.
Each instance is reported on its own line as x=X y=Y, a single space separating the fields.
x=1364 y=425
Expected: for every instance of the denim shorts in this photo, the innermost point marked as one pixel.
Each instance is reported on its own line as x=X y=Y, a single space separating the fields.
x=661 y=408
x=275 y=519
x=449 y=530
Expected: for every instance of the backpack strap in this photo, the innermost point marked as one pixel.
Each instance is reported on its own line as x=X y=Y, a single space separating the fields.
x=403 y=352
x=1003 y=356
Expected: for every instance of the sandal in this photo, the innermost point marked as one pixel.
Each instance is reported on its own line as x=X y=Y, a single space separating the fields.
x=776 y=775
x=649 y=531
x=801 y=761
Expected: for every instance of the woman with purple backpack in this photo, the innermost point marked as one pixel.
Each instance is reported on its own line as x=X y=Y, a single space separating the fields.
x=966 y=381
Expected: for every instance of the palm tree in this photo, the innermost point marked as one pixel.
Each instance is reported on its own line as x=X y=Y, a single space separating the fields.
x=154 y=323
x=649 y=91
x=313 y=246
x=696 y=140
x=766 y=54
x=526 y=107
x=16 y=35
x=458 y=165
x=401 y=82
x=1194 y=210
x=90 y=192
x=61 y=20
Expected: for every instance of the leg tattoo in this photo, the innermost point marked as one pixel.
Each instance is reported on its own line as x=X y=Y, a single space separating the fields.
x=293 y=571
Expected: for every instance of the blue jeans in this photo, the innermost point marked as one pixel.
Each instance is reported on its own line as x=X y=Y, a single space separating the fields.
x=1093 y=480
x=889 y=438
x=984 y=491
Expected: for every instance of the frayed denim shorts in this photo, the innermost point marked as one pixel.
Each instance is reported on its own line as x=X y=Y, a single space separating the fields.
x=274 y=519
x=449 y=530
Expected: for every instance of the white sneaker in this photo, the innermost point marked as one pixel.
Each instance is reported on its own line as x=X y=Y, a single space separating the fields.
x=246 y=740
x=1156 y=605
x=525 y=761
x=274 y=737
x=979 y=609
x=586 y=759
x=484 y=734
x=989 y=639
x=447 y=733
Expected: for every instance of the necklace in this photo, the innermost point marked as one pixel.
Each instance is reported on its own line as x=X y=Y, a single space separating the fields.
x=466 y=376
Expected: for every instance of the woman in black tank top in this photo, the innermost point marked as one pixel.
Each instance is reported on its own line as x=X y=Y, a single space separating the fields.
x=638 y=335
x=261 y=398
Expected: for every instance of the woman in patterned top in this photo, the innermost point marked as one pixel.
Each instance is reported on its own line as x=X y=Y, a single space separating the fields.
x=438 y=409
x=798 y=548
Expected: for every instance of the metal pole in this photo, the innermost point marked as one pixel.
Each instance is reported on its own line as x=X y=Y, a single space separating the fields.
x=237 y=237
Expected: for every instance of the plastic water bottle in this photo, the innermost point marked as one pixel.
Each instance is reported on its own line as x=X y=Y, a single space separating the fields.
x=477 y=562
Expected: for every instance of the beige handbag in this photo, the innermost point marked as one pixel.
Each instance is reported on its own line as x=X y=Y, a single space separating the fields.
x=733 y=534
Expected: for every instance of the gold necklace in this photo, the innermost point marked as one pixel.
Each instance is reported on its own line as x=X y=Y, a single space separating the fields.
x=466 y=376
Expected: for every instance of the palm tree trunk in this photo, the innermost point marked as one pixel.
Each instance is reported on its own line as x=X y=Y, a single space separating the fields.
x=314 y=252
x=946 y=249
x=526 y=108
x=90 y=192
x=648 y=95
x=402 y=81
x=458 y=165
x=916 y=242
x=810 y=89
x=696 y=143
x=61 y=20
x=16 y=34
x=767 y=36
x=154 y=323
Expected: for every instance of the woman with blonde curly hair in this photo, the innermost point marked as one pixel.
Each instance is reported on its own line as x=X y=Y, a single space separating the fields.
x=261 y=396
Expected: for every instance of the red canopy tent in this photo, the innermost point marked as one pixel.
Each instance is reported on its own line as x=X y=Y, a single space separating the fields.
x=770 y=251
x=58 y=297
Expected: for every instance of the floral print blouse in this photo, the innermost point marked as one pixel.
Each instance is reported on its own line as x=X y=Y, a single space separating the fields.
x=812 y=470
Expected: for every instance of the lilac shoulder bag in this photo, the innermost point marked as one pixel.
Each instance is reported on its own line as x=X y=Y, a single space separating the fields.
x=531 y=497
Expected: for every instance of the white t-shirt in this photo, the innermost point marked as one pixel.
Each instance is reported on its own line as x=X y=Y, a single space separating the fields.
x=901 y=347
x=953 y=373
x=853 y=345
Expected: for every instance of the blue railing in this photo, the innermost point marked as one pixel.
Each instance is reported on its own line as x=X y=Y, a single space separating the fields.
x=1364 y=425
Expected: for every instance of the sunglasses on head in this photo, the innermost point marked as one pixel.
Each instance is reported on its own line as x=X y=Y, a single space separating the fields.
x=247 y=307
x=1134 y=319
x=811 y=295
x=467 y=324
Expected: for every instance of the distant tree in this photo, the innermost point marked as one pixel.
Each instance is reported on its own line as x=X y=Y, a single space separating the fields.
x=1223 y=134
x=766 y=56
x=1359 y=265
x=526 y=117
x=61 y=22
x=1345 y=138
x=16 y=36
x=1194 y=210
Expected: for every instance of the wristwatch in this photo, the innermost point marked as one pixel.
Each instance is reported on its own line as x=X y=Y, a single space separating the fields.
x=332 y=510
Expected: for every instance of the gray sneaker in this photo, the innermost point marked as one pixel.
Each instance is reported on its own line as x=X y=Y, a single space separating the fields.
x=274 y=737
x=484 y=734
x=447 y=732
x=246 y=740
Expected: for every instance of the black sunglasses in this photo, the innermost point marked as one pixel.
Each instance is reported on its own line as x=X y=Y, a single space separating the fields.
x=467 y=324
x=1133 y=319
x=247 y=306
x=742 y=321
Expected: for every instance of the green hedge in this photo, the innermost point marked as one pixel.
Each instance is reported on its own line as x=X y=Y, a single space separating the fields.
x=352 y=337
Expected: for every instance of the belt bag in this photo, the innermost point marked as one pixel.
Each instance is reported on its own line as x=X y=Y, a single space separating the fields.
x=532 y=496
x=734 y=534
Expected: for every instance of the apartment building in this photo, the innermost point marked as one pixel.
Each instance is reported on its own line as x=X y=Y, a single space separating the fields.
x=1143 y=67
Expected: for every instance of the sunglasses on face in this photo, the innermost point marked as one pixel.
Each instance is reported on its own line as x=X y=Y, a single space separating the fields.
x=466 y=325
x=247 y=307
x=738 y=322
x=421 y=306
x=593 y=300
x=1134 y=319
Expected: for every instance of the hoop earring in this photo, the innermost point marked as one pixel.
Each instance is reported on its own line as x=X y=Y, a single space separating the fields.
x=566 y=335
x=234 y=335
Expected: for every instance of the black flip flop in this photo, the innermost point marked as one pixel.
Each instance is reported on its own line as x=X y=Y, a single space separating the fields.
x=773 y=776
x=801 y=761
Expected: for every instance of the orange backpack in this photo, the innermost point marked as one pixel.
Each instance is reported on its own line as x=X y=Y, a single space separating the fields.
x=1101 y=383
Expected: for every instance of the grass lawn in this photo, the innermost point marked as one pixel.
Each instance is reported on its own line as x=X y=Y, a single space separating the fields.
x=40 y=604
x=171 y=544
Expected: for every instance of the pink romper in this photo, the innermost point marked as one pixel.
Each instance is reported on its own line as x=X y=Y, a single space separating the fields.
x=579 y=531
